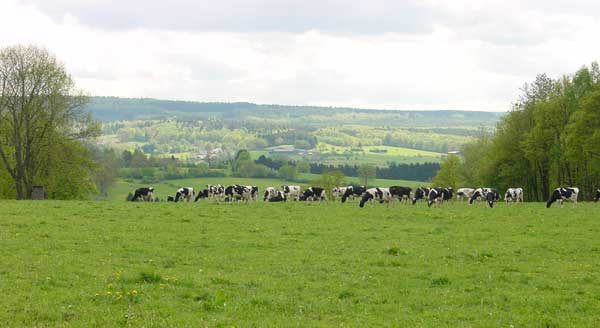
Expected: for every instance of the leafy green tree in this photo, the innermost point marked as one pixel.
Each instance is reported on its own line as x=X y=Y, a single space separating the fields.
x=449 y=173
x=288 y=172
x=303 y=167
x=366 y=172
x=329 y=180
x=41 y=112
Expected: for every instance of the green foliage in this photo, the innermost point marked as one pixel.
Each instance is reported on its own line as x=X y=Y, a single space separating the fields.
x=449 y=173
x=366 y=172
x=329 y=180
x=288 y=172
x=550 y=139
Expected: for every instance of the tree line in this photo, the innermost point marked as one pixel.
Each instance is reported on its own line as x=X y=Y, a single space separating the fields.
x=550 y=138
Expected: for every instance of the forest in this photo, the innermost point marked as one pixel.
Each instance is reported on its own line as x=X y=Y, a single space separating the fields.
x=550 y=138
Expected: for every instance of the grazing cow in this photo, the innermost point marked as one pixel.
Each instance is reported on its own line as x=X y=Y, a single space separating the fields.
x=216 y=192
x=202 y=194
x=170 y=199
x=337 y=192
x=185 y=193
x=237 y=192
x=279 y=196
x=292 y=192
x=490 y=197
x=464 y=193
x=375 y=194
x=269 y=193
x=597 y=198
x=513 y=195
x=439 y=195
x=563 y=193
x=421 y=193
x=353 y=191
x=143 y=194
x=402 y=193
x=313 y=194
x=481 y=193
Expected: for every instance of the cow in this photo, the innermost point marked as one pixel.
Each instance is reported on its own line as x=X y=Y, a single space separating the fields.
x=464 y=193
x=279 y=196
x=597 y=198
x=338 y=192
x=439 y=195
x=170 y=199
x=563 y=193
x=513 y=195
x=292 y=192
x=481 y=193
x=216 y=192
x=375 y=194
x=143 y=194
x=238 y=192
x=490 y=197
x=313 y=194
x=269 y=193
x=420 y=193
x=402 y=193
x=185 y=193
x=353 y=191
x=202 y=194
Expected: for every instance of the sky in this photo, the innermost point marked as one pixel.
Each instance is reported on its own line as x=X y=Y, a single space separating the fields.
x=384 y=54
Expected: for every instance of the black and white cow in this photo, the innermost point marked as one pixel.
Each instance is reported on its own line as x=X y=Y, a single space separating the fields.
x=216 y=192
x=238 y=192
x=353 y=191
x=292 y=192
x=375 y=195
x=597 y=197
x=464 y=193
x=202 y=194
x=278 y=196
x=143 y=194
x=185 y=194
x=563 y=193
x=401 y=193
x=439 y=196
x=338 y=192
x=269 y=193
x=481 y=193
x=513 y=195
x=170 y=199
x=421 y=193
x=313 y=194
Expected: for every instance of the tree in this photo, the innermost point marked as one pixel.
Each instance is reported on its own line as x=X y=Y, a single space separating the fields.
x=288 y=172
x=448 y=175
x=366 y=172
x=329 y=180
x=40 y=111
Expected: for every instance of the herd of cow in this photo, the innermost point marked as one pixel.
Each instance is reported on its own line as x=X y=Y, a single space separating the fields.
x=433 y=196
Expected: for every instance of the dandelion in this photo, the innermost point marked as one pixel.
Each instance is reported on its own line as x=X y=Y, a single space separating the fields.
x=134 y=292
x=108 y=292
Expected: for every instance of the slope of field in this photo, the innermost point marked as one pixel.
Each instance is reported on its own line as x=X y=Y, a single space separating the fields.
x=109 y=264
x=168 y=187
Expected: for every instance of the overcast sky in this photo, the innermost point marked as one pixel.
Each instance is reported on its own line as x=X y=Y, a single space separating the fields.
x=389 y=54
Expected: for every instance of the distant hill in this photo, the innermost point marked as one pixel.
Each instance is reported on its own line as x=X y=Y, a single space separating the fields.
x=113 y=109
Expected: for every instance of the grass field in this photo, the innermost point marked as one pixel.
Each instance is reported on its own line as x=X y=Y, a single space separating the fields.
x=169 y=187
x=109 y=264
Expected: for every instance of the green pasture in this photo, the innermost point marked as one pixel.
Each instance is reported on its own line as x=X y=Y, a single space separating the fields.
x=123 y=264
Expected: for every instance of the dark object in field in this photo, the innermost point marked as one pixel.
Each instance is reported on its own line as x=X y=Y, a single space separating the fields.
x=143 y=194
x=420 y=193
x=313 y=194
x=563 y=193
x=352 y=191
x=202 y=194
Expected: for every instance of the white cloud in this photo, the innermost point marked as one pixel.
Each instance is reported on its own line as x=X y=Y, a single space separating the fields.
x=465 y=55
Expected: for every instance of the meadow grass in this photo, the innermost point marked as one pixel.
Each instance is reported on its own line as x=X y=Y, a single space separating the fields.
x=108 y=264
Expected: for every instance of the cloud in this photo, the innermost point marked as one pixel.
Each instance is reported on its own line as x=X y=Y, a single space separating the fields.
x=429 y=54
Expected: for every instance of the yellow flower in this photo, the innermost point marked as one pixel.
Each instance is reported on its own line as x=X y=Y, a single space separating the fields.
x=109 y=285
x=134 y=292
x=109 y=293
